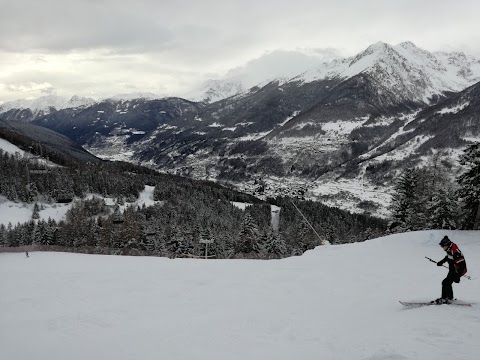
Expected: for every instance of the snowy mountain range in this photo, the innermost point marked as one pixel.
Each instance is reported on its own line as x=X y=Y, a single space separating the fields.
x=339 y=132
x=134 y=96
x=274 y=66
x=415 y=73
x=45 y=104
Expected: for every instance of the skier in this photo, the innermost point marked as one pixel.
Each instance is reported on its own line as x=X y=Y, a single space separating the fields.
x=26 y=253
x=457 y=267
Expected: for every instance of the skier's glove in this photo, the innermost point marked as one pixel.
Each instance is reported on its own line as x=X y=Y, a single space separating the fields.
x=440 y=263
x=457 y=279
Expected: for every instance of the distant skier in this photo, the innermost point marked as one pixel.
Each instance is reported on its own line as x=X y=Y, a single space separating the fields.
x=457 y=267
x=26 y=253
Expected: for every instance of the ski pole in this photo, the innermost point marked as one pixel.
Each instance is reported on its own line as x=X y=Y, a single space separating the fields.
x=465 y=276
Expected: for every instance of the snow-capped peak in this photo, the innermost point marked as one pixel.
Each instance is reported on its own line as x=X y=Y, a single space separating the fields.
x=378 y=46
x=414 y=73
x=78 y=101
x=276 y=66
x=134 y=96
x=408 y=45
x=44 y=103
x=214 y=90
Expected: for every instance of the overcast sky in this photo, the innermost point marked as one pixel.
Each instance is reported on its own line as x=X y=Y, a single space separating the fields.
x=100 y=48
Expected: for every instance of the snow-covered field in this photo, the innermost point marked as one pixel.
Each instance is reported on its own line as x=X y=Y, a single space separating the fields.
x=334 y=302
x=18 y=212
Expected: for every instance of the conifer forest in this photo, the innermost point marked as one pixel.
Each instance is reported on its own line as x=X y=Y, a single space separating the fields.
x=188 y=213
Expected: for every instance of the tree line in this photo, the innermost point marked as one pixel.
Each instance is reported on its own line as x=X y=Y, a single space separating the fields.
x=430 y=198
x=186 y=212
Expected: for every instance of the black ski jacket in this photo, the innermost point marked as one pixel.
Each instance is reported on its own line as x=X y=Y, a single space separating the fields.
x=456 y=260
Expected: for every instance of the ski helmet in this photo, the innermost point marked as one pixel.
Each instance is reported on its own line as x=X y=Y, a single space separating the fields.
x=445 y=241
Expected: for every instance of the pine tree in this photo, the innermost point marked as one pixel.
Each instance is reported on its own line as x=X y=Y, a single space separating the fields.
x=24 y=236
x=106 y=233
x=62 y=236
x=176 y=242
x=10 y=238
x=442 y=209
x=36 y=212
x=52 y=231
x=92 y=236
x=275 y=245
x=149 y=233
x=249 y=236
x=36 y=236
x=160 y=246
x=469 y=191
x=306 y=239
x=188 y=243
x=3 y=235
x=227 y=246
x=132 y=233
x=407 y=210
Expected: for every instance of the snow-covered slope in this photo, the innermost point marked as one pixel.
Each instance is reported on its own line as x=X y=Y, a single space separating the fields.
x=334 y=302
x=10 y=148
x=18 y=212
x=134 y=96
x=214 y=90
x=414 y=73
x=45 y=103
x=404 y=67
x=277 y=66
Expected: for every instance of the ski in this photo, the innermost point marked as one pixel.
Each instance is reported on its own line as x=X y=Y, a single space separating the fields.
x=428 y=303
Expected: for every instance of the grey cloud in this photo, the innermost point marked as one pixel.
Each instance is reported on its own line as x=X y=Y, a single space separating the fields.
x=199 y=27
x=30 y=86
x=58 y=33
x=109 y=45
x=281 y=63
x=125 y=26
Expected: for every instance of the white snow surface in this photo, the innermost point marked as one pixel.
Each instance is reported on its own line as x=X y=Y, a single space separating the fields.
x=12 y=212
x=10 y=148
x=18 y=212
x=334 y=302
x=134 y=96
x=453 y=110
x=43 y=103
x=404 y=67
x=240 y=205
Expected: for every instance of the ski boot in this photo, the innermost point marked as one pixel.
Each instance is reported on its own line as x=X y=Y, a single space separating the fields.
x=441 y=301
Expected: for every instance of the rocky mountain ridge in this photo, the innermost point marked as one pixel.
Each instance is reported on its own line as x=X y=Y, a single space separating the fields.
x=419 y=74
x=339 y=134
